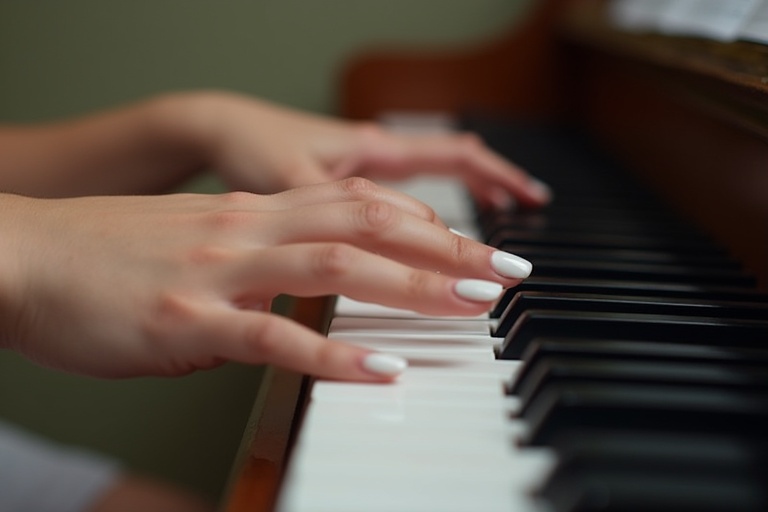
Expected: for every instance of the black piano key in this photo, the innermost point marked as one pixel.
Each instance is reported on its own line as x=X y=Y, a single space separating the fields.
x=577 y=222
x=635 y=327
x=707 y=260
x=523 y=301
x=587 y=214
x=583 y=220
x=642 y=272
x=589 y=240
x=552 y=370
x=600 y=470
x=630 y=288
x=596 y=350
x=562 y=407
x=605 y=234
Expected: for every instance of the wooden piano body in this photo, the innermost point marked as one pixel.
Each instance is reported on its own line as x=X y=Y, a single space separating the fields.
x=689 y=116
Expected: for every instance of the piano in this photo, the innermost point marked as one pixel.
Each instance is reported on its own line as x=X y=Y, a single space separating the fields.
x=630 y=371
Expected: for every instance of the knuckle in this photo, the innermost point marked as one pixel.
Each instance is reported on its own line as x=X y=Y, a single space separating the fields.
x=326 y=354
x=231 y=210
x=228 y=220
x=358 y=188
x=174 y=306
x=333 y=260
x=417 y=283
x=263 y=336
x=460 y=251
x=172 y=310
x=427 y=212
x=206 y=255
x=470 y=140
x=376 y=217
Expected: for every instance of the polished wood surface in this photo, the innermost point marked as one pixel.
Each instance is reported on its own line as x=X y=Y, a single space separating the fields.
x=266 y=443
x=690 y=116
x=515 y=72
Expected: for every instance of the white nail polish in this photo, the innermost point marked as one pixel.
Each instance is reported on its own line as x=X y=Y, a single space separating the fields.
x=477 y=290
x=384 y=364
x=509 y=265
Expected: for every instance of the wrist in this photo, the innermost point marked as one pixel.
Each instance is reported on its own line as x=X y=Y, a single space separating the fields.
x=178 y=127
x=12 y=265
x=190 y=122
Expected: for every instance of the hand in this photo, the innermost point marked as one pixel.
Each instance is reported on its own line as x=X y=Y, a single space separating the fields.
x=261 y=147
x=165 y=285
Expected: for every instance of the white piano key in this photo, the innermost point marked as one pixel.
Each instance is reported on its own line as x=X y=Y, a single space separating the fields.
x=421 y=351
x=346 y=306
x=496 y=468
x=333 y=442
x=393 y=457
x=453 y=369
x=410 y=327
x=401 y=393
x=413 y=378
x=417 y=356
x=486 y=463
x=450 y=487
x=335 y=436
x=349 y=414
x=406 y=342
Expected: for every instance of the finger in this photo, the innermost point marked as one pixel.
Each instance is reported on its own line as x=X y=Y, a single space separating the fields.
x=462 y=155
x=350 y=189
x=490 y=196
x=262 y=338
x=380 y=228
x=306 y=270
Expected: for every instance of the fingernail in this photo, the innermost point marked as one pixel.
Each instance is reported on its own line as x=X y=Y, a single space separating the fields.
x=509 y=265
x=477 y=290
x=384 y=364
x=541 y=189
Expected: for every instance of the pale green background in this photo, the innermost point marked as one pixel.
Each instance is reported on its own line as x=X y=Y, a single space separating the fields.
x=60 y=58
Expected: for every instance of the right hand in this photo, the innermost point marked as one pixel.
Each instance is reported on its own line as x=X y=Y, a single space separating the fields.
x=165 y=285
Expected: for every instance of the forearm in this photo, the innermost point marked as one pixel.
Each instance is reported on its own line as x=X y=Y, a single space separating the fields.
x=143 y=148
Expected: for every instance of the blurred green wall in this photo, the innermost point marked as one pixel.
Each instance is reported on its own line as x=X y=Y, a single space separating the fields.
x=60 y=58
x=64 y=57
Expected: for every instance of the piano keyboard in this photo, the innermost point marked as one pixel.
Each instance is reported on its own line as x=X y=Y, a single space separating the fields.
x=629 y=372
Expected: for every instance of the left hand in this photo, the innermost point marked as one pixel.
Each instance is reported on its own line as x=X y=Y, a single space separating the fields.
x=262 y=147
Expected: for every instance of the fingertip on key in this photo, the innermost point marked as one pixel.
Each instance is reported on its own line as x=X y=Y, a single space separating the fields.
x=387 y=365
x=511 y=266
x=477 y=290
